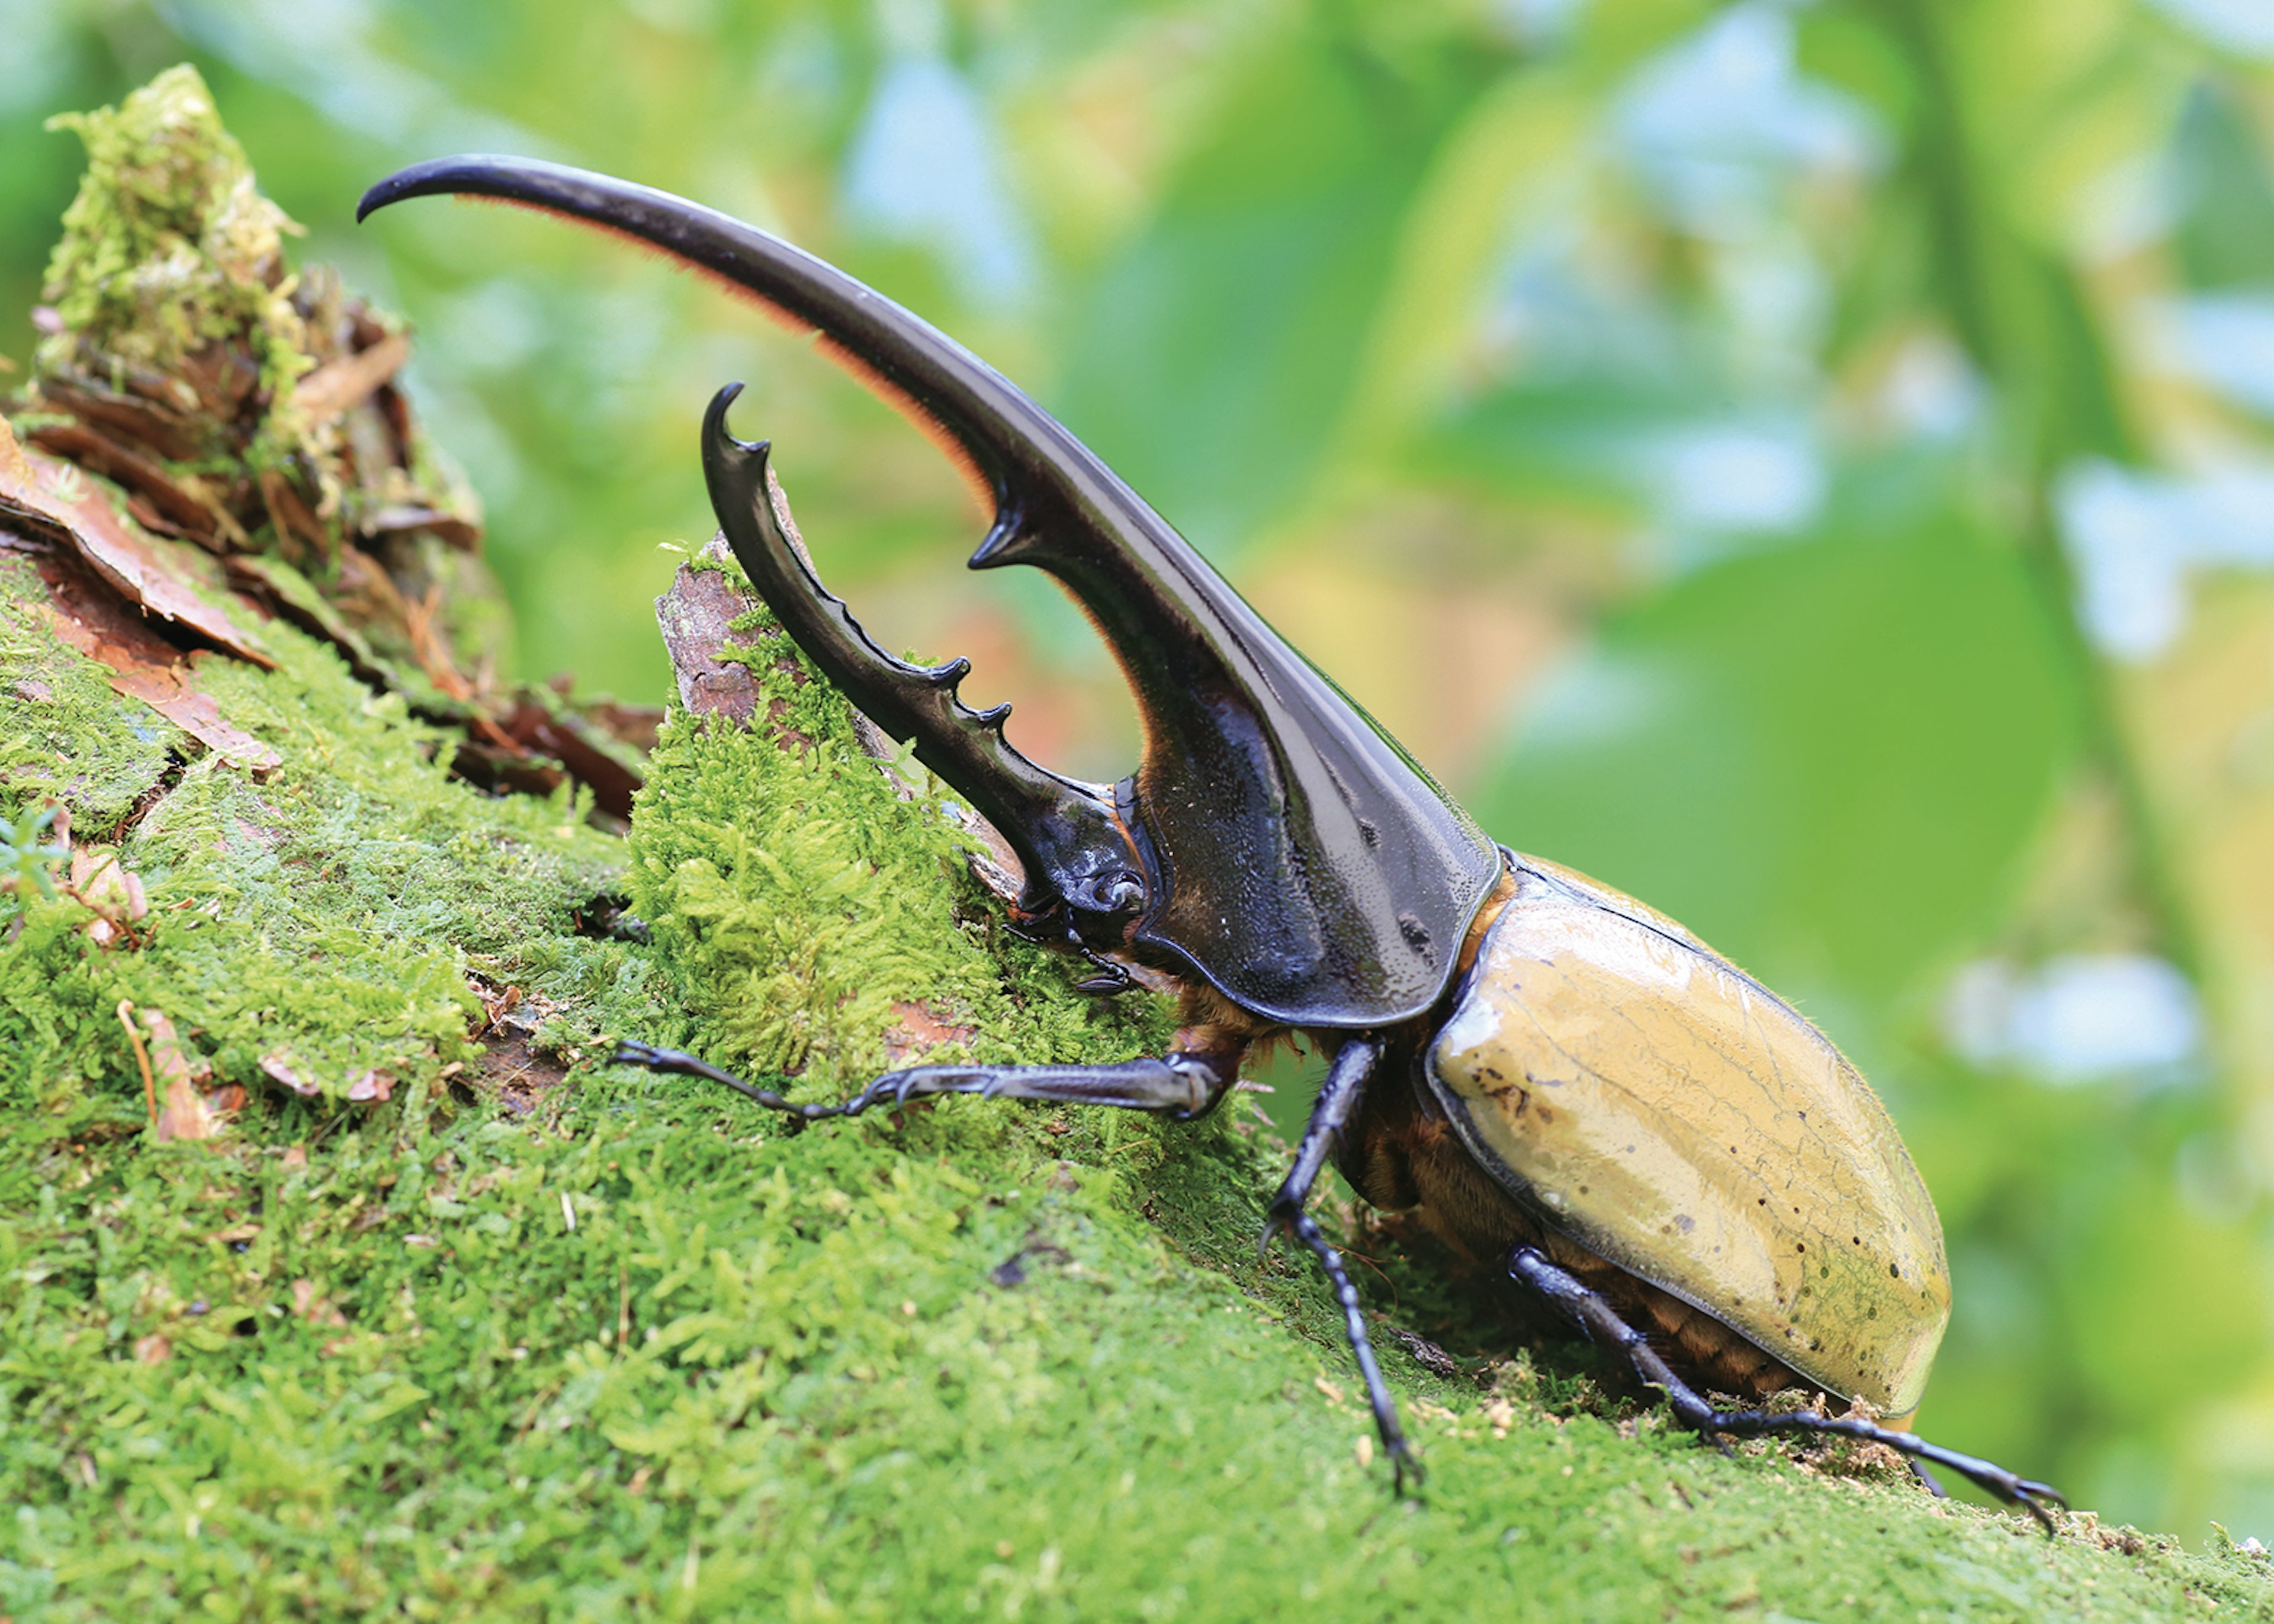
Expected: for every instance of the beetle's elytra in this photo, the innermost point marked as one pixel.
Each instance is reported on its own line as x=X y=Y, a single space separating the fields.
x=1679 y=1122
x=1551 y=1073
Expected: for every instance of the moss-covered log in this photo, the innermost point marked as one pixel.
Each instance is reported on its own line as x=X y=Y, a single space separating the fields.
x=449 y=1320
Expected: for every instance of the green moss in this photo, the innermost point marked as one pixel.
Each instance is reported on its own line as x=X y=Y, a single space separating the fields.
x=62 y=732
x=361 y=1361
x=169 y=245
x=798 y=896
x=326 y=916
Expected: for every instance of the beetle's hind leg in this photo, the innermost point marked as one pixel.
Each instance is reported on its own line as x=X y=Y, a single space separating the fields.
x=1601 y=1321
x=1338 y=1103
x=1179 y=1086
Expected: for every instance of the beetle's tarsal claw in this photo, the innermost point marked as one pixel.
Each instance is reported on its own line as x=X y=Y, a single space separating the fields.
x=1588 y=1309
x=1405 y=1468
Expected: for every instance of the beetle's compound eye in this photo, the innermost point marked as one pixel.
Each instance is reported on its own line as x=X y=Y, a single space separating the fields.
x=1117 y=892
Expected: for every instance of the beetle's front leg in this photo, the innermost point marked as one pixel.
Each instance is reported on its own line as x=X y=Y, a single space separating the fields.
x=1179 y=1086
x=1339 y=1097
x=1601 y=1321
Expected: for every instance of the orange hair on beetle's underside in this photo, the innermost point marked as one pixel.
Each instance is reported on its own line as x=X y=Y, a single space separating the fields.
x=959 y=457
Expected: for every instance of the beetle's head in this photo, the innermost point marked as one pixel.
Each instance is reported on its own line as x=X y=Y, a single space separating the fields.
x=1094 y=902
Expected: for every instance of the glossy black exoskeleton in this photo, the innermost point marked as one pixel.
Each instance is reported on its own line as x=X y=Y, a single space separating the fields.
x=1276 y=856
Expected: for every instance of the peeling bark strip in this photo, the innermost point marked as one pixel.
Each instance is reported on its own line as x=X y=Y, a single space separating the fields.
x=336 y=386
x=55 y=499
x=696 y=616
x=88 y=616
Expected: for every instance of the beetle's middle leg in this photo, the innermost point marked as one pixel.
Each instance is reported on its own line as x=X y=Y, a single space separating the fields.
x=1339 y=1098
x=1181 y=1085
x=1601 y=1321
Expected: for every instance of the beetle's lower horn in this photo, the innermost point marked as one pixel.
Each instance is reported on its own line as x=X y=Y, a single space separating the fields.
x=1062 y=831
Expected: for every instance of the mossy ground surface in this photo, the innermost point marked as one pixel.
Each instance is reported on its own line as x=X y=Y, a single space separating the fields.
x=620 y=1347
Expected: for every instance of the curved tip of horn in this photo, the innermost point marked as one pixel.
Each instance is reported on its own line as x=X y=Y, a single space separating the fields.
x=435 y=176
x=492 y=175
x=714 y=419
x=721 y=448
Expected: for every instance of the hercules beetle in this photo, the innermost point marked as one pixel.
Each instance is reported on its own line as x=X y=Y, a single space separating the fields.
x=1551 y=1072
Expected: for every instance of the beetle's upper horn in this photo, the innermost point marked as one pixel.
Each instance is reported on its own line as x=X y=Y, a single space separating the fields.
x=1294 y=854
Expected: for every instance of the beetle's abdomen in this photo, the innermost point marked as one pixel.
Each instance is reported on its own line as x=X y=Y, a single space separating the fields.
x=1644 y=1097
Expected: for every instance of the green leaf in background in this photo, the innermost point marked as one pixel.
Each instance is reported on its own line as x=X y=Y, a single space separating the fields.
x=1575 y=439
x=1275 y=242
x=1826 y=759
x=2226 y=198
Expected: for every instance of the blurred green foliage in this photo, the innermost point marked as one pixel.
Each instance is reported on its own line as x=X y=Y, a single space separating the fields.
x=1806 y=464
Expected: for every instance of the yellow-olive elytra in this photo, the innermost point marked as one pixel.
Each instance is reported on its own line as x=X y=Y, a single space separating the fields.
x=1677 y=1119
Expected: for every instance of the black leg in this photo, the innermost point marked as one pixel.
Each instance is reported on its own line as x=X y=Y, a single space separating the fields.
x=1339 y=1097
x=1602 y=1323
x=1182 y=1085
x=1337 y=1102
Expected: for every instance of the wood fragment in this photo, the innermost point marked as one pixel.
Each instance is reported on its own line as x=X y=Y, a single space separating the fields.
x=281 y=1070
x=411 y=518
x=336 y=386
x=185 y=1114
x=696 y=616
x=183 y=502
